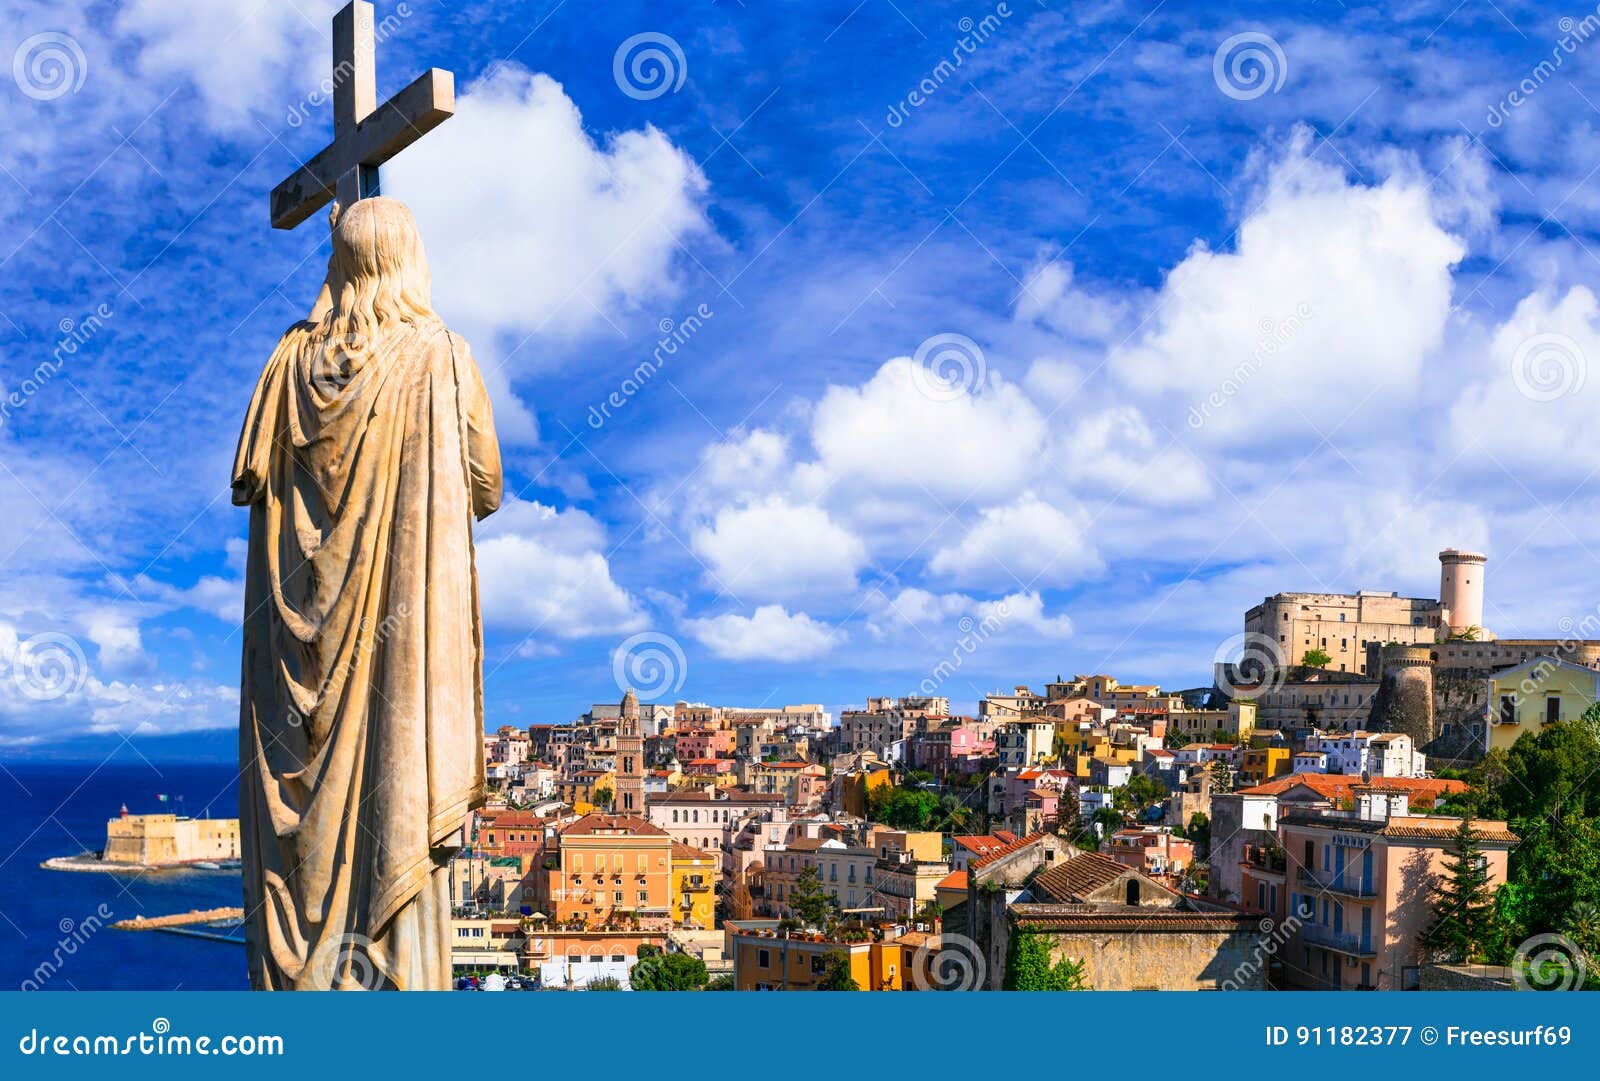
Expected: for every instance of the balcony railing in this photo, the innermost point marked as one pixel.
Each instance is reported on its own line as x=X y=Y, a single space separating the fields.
x=1329 y=882
x=1347 y=942
x=1264 y=859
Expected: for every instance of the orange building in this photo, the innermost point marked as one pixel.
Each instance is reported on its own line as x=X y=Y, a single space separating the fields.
x=608 y=867
x=769 y=961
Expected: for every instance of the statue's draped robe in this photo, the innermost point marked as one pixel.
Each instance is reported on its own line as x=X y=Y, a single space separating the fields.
x=361 y=711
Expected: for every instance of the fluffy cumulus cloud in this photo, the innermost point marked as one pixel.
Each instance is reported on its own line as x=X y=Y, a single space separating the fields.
x=543 y=574
x=513 y=189
x=1331 y=301
x=770 y=633
x=779 y=550
x=246 y=59
x=1021 y=543
x=53 y=688
x=1531 y=408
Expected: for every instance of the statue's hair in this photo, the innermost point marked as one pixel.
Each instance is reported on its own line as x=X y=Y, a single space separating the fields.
x=382 y=270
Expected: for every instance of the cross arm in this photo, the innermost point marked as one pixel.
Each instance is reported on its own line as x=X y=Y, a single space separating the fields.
x=429 y=101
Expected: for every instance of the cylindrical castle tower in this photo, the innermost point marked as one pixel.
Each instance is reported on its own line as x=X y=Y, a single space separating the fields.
x=1461 y=590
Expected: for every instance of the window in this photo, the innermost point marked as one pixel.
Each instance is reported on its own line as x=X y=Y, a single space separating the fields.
x=1508 y=709
x=1552 y=709
x=763 y=959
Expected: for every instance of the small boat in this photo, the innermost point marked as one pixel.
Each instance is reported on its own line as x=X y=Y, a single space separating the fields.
x=206 y=865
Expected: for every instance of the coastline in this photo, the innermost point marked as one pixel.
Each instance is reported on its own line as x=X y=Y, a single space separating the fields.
x=93 y=863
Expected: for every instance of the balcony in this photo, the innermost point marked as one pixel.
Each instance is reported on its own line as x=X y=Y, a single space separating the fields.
x=1344 y=885
x=1259 y=858
x=1345 y=942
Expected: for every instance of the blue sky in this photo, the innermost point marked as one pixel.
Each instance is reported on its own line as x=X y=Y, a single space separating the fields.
x=1055 y=360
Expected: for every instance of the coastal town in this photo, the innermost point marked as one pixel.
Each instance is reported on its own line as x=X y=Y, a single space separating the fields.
x=1367 y=792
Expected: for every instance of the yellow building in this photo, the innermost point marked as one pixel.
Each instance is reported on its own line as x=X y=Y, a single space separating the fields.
x=769 y=961
x=1538 y=692
x=1262 y=764
x=694 y=874
x=156 y=840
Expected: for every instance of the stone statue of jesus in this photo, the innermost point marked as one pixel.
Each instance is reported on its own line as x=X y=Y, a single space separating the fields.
x=368 y=450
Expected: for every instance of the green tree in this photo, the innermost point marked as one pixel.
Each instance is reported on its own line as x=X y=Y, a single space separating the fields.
x=604 y=983
x=1221 y=777
x=812 y=904
x=1463 y=910
x=1029 y=966
x=836 y=973
x=1316 y=658
x=1200 y=833
x=724 y=982
x=902 y=808
x=659 y=971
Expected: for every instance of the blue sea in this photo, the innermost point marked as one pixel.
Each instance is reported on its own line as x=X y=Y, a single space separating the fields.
x=47 y=918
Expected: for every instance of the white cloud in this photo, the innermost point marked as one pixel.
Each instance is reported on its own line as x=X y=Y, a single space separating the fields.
x=1024 y=612
x=779 y=550
x=1332 y=300
x=1114 y=451
x=1023 y=542
x=1532 y=409
x=117 y=638
x=542 y=572
x=531 y=227
x=770 y=634
x=246 y=58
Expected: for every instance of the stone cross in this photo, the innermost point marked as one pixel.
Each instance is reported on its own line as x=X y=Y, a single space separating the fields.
x=365 y=134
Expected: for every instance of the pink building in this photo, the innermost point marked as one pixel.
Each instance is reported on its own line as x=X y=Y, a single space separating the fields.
x=704 y=743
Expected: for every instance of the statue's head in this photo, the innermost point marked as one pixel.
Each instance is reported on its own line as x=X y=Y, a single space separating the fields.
x=382 y=270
